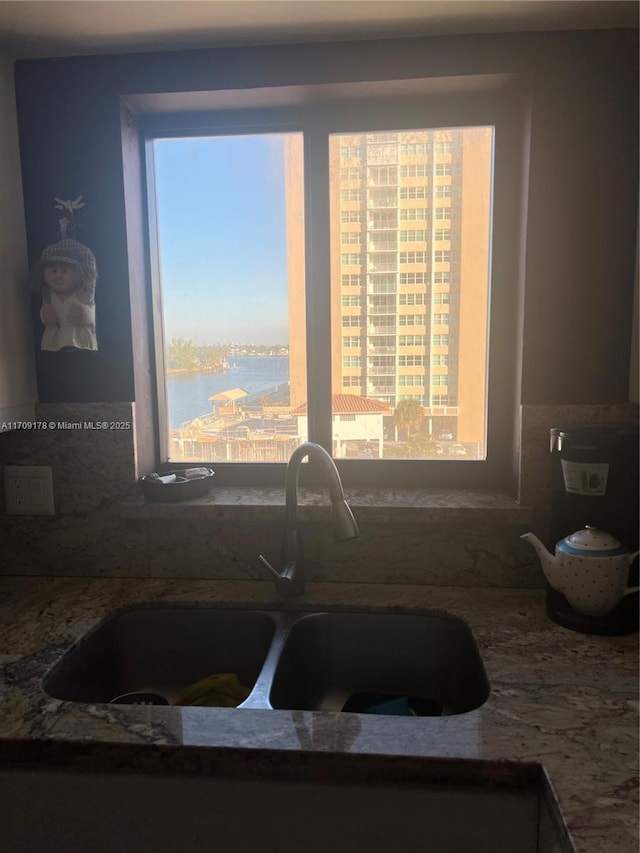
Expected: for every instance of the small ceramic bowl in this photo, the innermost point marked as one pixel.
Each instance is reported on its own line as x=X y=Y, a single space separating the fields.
x=180 y=489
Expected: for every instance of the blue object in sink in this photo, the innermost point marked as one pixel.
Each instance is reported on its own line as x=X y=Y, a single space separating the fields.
x=398 y=707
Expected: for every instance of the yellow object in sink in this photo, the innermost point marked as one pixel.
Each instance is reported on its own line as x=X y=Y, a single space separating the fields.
x=222 y=690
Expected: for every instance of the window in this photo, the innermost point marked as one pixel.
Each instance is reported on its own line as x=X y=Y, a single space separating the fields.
x=444 y=191
x=307 y=292
x=351 y=342
x=413 y=278
x=349 y=280
x=417 y=236
x=414 y=149
x=351 y=301
x=382 y=176
x=381 y=138
x=413 y=192
x=382 y=220
x=381 y=343
x=413 y=299
x=412 y=340
x=414 y=170
x=444 y=169
x=351 y=320
x=350 y=173
x=381 y=242
x=376 y=303
x=382 y=363
x=440 y=319
x=382 y=198
x=407 y=213
x=413 y=257
x=385 y=283
x=349 y=152
x=382 y=262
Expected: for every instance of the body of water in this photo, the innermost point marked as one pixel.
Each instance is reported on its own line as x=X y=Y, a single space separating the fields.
x=188 y=393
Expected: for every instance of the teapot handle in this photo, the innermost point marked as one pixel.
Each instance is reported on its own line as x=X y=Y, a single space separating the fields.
x=631 y=589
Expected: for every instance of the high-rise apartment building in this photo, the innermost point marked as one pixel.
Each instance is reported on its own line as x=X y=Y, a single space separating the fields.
x=410 y=217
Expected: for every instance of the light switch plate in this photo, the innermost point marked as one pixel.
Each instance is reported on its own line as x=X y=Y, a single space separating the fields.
x=28 y=490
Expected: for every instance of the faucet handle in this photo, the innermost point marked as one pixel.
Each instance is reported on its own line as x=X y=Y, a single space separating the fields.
x=266 y=563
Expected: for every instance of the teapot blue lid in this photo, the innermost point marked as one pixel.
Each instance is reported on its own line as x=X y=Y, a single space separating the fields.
x=591 y=542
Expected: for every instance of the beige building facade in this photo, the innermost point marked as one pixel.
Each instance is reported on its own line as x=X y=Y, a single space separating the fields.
x=410 y=230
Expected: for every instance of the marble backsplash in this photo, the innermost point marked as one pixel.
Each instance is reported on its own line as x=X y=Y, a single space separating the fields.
x=103 y=528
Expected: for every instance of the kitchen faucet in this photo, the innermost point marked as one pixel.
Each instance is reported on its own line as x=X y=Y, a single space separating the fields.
x=290 y=580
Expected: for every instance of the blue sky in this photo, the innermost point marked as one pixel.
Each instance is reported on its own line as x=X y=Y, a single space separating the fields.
x=221 y=220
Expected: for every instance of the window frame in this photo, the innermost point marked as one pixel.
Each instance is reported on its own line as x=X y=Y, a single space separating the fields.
x=501 y=105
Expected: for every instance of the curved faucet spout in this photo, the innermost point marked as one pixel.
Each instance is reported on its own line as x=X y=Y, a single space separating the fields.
x=290 y=580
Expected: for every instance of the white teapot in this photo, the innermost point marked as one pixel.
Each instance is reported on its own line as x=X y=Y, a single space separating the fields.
x=590 y=568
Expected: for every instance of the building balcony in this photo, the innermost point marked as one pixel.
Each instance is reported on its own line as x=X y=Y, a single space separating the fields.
x=380 y=390
x=391 y=181
x=381 y=289
x=382 y=157
x=382 y=245
x=383 y=371
x=389 y=329
x=384 y=310
x=383 y=224
x=381 y=350
x=385 y=266
x=382 y=201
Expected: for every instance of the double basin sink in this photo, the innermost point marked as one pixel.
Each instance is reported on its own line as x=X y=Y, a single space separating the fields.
x=324 y=661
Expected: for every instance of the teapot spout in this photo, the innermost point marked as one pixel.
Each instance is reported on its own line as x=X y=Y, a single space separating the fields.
x=548 y=561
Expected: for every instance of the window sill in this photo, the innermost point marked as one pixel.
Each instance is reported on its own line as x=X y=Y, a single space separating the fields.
x=383 y=506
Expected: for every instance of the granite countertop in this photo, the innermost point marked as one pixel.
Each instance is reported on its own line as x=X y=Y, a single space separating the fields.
x=562 y=700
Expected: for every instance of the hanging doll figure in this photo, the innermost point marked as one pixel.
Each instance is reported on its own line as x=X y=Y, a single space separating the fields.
x=66 y=277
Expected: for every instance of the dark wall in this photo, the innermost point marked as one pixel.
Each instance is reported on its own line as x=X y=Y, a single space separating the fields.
x=581 y=212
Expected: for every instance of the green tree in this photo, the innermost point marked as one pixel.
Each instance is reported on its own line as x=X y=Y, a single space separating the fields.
x=422 y=446
x=408 y=417
x=181 y=354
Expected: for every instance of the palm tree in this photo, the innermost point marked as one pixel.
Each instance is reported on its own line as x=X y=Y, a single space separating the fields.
x=408 y=416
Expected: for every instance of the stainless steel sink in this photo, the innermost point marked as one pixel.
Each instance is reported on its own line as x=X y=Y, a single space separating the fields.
x=336 y=661
x=162 y=649
x=288 y=660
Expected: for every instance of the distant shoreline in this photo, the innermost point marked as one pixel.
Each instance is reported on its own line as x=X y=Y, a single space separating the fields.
x=182 y=371
x=188 y=371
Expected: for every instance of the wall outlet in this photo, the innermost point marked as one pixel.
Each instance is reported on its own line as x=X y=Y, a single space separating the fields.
x=28 y=490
